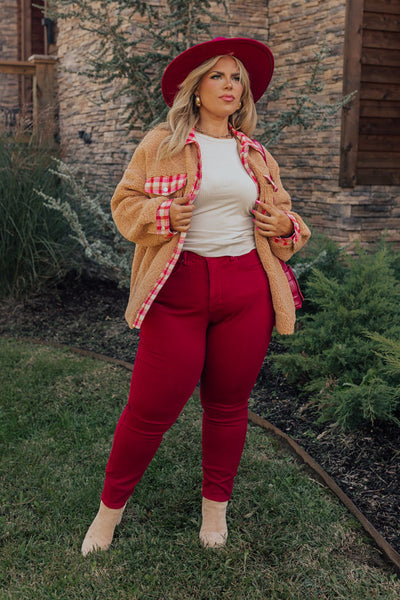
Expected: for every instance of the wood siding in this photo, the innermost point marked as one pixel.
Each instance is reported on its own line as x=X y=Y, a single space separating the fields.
x=351 y=83
x=378 y=159
x=38 y=35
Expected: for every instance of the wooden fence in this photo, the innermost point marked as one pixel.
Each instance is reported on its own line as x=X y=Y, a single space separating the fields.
x=42 y=70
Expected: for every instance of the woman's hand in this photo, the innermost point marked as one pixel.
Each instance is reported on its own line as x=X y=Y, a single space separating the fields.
x=180 y=214
x=275 y=223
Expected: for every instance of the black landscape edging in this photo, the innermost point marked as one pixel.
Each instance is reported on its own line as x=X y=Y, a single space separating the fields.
x=317 y=470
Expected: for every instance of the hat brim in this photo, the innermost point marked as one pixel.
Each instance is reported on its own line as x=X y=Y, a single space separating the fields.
x=256 y=57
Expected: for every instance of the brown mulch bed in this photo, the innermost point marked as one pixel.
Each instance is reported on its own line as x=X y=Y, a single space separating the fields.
x=89 y=313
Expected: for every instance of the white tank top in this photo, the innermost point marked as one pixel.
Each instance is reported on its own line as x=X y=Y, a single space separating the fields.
x=222 y=222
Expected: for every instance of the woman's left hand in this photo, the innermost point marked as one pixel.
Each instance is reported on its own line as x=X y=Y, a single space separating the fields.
x=275 y=223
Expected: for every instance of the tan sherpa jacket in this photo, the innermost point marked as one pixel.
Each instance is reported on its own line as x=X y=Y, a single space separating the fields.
x=136 y=214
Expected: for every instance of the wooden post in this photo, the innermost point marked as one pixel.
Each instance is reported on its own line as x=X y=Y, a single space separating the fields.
x=25 y=46
x=44 y=99
x=351 y=82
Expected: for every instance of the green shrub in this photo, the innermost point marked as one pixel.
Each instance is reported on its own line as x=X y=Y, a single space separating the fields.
x=320 y=253
x=34 y=248
x=337 y=356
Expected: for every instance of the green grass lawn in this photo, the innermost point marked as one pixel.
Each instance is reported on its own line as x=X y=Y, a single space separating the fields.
x=288 y=539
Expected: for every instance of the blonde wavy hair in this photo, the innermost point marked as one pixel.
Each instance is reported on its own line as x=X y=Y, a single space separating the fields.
x=184 y=114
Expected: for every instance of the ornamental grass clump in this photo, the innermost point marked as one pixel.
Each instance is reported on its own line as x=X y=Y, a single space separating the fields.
x=33 y=241
x=346 y=352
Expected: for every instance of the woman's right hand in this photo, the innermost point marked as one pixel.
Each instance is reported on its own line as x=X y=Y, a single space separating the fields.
x=180 y=214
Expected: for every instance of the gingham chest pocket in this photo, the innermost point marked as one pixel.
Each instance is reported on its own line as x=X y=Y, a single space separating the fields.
x=165 y=185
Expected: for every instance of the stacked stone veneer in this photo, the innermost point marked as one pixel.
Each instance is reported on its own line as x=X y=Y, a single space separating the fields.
x=310 y=159
x=8 y=51
x=83 y=108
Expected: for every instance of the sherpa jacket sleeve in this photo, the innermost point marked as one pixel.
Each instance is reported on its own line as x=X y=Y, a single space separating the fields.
x=139 y=217
x=284 y=248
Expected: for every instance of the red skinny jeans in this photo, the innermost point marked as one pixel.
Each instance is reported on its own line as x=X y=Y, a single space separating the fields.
x=212 y=321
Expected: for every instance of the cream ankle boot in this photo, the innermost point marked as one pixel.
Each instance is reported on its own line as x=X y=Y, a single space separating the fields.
x=213 y=532
x=100 y=534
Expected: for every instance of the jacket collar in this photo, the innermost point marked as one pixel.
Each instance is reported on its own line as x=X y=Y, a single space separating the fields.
x=245 y=141
x=191 y=139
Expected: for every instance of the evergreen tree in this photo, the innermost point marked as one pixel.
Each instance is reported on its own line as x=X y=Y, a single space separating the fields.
x=339 y=351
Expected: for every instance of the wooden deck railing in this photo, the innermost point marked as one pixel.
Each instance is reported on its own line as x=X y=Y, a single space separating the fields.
x=42 y=70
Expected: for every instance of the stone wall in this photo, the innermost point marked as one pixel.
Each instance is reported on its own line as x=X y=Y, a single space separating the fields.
x=310 y=160
x=82 y=108
x=8 y=51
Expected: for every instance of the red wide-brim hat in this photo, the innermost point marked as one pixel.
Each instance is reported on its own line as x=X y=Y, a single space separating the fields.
x=256 y=57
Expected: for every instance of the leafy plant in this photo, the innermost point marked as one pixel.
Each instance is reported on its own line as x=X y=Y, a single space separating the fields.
x=92 y=227
x=305 y=109
x=123 y=28
x=334 y=356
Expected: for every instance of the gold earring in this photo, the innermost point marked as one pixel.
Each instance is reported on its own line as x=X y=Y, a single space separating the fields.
x=197 y=101
x=240 y=105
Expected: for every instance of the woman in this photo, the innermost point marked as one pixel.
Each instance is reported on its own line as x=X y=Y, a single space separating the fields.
x=205 y=206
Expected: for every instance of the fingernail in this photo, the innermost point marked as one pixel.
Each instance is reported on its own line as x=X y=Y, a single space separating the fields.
x=257 y=202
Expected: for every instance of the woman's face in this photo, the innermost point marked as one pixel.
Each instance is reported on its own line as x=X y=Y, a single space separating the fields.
x=220 y=89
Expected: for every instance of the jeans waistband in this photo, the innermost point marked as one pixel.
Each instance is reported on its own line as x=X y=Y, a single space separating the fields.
x=188 y=257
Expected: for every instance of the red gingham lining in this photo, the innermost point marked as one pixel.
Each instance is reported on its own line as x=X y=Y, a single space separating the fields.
x=162 y=219
x=164 y=186
x=245 y=143
x=271 y=181
x=286 y=241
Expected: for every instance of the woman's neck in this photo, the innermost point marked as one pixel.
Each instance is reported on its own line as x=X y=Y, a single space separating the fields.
x=218 y=129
